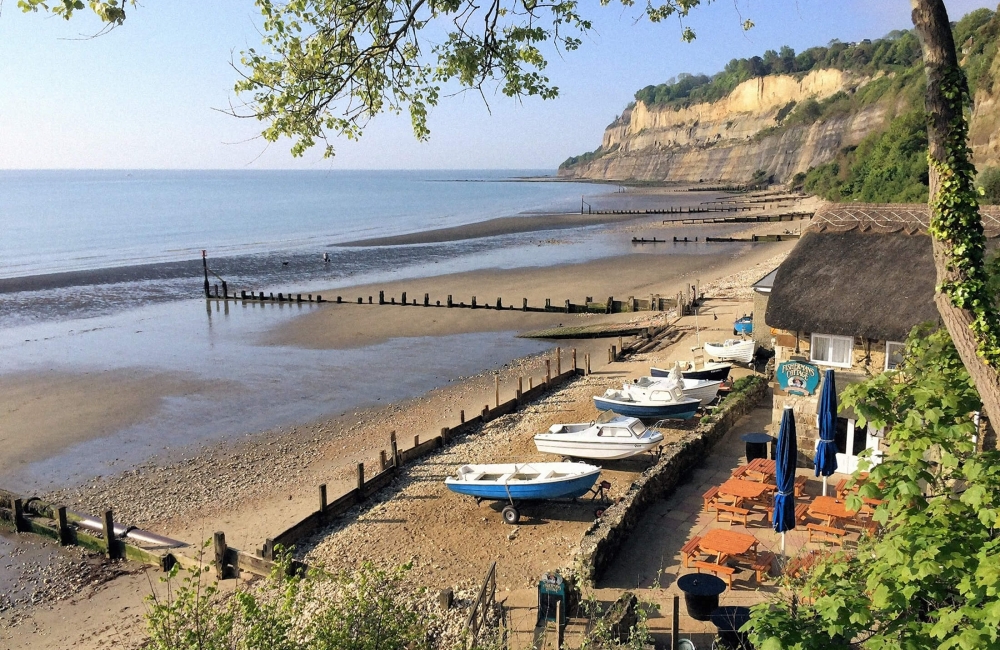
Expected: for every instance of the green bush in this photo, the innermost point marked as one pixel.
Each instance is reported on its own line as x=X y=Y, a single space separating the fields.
x=988 y=182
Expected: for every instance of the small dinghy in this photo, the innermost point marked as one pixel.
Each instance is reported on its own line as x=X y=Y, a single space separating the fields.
x=703 y=390
x=610 y=437
x=743 y=326
x=732 y=350
x=667 y=402
x=515 y=482
x=712 y=370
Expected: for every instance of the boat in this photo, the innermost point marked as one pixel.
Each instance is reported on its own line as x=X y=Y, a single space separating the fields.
x=704 y=390
x=711 y=370
x=666 y=402
x=515 y=482
x=609 y=437
x=743 y=326
x=732 y=350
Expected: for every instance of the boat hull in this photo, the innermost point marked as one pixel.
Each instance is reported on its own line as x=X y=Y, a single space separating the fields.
x=704 y=390
x=677 y=411
x=594 y=450
x=720 y=373
x=526 y=491
x=743 y=326
x=741 y=352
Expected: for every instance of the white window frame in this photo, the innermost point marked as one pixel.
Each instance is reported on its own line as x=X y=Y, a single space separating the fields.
x=887 y=353
x=832 y=337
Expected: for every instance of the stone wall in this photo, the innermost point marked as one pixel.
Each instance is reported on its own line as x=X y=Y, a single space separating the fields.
x=605 y=537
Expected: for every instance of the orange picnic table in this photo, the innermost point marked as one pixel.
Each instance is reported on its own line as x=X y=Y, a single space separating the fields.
x=830 y=508
x=727 y=543
x=741 y=489
x=759 y=469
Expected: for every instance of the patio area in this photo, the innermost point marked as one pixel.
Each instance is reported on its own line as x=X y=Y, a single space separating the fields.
x=653 y=559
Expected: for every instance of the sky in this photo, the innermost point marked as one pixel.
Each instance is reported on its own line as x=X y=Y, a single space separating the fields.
x=147 y=95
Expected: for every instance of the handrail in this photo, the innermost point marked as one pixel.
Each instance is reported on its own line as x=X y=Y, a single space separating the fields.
x=481 y=608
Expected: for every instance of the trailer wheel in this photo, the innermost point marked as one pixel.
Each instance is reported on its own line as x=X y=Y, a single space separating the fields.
x=599 y=513
x=511 y=515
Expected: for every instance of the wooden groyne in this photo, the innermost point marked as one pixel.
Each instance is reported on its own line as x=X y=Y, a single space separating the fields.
x=755 y=238
x=762 y=218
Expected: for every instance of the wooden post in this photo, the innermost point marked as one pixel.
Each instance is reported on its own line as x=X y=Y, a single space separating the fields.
x=219 y=540
x=402 y=298
x=427 y=299
x=473 y=302
x=524 y=304
x=444 y=434
x=394 y=449
x=675 y=626
x=548 y=371
x=486 y=412
x=558 y=362
x=588 y=363
x=621 y=343
x=499 y=304
x=20 y=525
x=548 y=304
x=361 y=479
x=531 y=382
x=416 y=441
x=568 y=307
x=381 y=297
x=449 y=300
x=65 y=538
x=109 y=535
x=614 y=353
x=574 y=360
x=496 y=386
x=322 y=498
x=609 y=355
x=461 y=416
x=520 y=387
x=382 y=461
x=611 y=304
x=559 y=627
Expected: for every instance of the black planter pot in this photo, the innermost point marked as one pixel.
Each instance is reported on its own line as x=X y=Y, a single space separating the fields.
x=729 y=620
x=701 y=594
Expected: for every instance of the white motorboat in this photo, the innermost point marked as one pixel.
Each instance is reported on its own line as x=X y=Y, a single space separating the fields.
x=732 y=350
x=610 y=437
x=659 y=402
x=704 y=390
x=711 y=370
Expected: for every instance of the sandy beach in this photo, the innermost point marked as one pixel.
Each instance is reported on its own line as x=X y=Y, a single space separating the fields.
x=261 y=484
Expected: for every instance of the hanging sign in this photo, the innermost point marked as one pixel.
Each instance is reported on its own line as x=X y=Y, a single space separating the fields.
x=797 y=378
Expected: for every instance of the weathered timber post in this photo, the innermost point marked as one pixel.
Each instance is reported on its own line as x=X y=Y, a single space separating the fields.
x=588 y=363
x=548 y=304
x=499 y=303
x=394 y=450
x=381 y=297
x=225 y=290
x=444 y=435
x=609 y=356
x=416 y=441
x=496 y=386
x=382 y=461
x=322 y=498
x=20 y=525
x=621 y=344
x=449 y=300
x=574 y=360
x=524 y=304
x=361 y=479
x=558 y=361
x=675 y=626
x=486 y=412
x=219 y=541
x=427 y=300
x=520 y=387
x=65 y=537
x=109 y=536
x=402 y=298
x=204 y=265
x=531 y=382
x=473 y=302
x=568 y=307
x=559 y=627
x=216 y=285
x=548 y=371
x=461 y=416
x=611 y=304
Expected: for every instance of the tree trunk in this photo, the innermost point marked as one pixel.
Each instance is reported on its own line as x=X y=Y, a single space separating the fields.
x=945 y=115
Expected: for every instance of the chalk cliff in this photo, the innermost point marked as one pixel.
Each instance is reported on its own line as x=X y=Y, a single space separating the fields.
x=728 y=140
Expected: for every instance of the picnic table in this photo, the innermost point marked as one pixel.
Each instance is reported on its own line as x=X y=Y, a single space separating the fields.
x=741 y=489
x=830 y=508
x=841 y=489
x=727 y=543
x=759 y=469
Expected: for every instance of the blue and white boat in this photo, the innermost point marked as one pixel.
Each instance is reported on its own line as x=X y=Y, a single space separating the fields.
x=743 y=326
x=704 y=390
x=713 y=370
x=515 y=482
x=667 y=403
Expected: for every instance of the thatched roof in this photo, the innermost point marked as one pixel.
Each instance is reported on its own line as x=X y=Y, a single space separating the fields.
x=859 y=270
x=909 y=218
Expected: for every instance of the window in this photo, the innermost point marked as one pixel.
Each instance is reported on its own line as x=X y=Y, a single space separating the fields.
x=832 y=350
x=893 y=354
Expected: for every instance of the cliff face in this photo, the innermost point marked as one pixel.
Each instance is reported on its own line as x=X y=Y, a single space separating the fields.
x=984 y=126
x=728 y=140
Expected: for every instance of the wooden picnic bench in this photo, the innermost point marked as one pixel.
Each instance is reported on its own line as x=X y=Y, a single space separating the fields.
x=690 y=550
x=824 y=533
x=718 y=569
x=740 y=489
x=830 y=509
x=841 y=489
x=726 y=543
x=733 y=514
x=710 y=497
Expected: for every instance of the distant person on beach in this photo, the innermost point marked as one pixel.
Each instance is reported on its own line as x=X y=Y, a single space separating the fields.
x=326 y=258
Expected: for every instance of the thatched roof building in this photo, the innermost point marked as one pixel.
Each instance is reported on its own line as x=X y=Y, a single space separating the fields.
x=861 y=270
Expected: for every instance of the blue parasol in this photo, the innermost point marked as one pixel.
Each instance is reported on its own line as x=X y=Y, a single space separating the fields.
x=826 y=453
x=784 y=497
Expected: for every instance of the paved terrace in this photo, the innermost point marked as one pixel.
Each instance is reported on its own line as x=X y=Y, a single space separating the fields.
x=650 y=562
